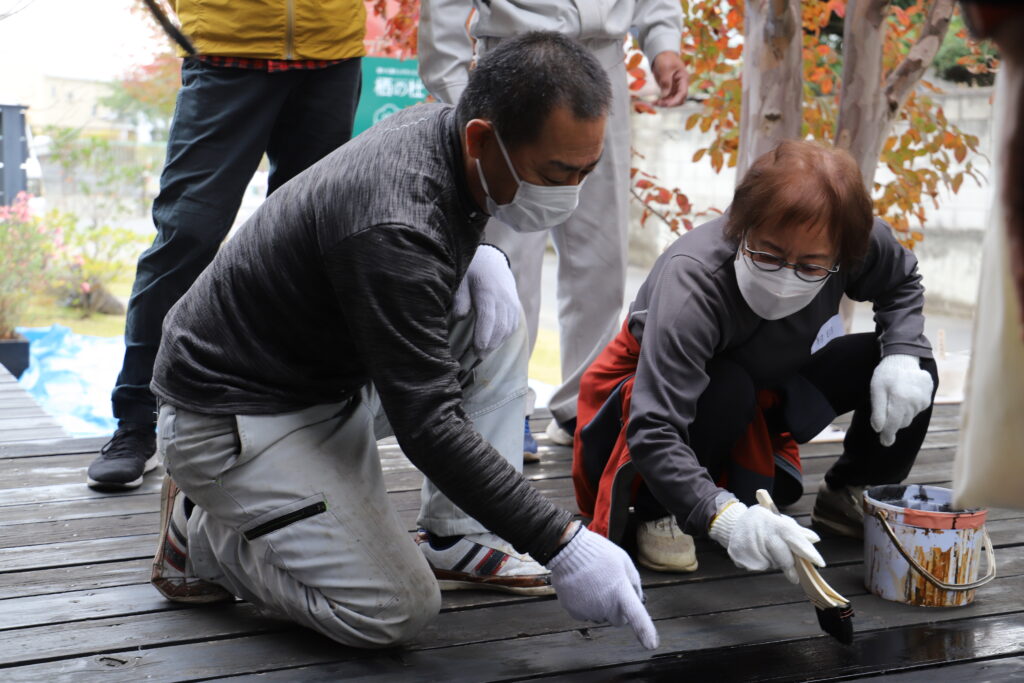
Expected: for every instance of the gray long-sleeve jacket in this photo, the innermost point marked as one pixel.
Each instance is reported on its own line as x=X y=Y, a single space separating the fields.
x=445 y=50
x=690 y=310
x=346 y=276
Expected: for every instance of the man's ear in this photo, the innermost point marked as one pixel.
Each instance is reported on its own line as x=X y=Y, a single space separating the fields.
x=479 y=134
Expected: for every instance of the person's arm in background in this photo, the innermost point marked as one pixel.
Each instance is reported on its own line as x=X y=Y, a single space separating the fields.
x=445 y=49
x=660 y=27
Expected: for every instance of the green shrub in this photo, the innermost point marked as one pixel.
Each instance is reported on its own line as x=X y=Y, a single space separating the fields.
x=27 y=251
x=90 y=259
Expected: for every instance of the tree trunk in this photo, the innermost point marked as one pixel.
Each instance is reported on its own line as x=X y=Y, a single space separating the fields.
x=869 y=104
x=772 y=78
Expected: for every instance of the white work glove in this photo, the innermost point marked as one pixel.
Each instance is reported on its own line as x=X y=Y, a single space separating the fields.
x=490 y=289
x=596 y=581
x=759 y=539
x=900 y=390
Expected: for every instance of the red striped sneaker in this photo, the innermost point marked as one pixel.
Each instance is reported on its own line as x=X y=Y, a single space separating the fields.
x=170 y=573
x=483 y=562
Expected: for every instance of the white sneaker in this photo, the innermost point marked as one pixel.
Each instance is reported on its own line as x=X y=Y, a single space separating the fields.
x=484 y=562
x=663 y=547
x=557 y=435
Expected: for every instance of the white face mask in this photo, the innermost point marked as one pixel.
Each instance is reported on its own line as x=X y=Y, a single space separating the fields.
x=773 y=294
x=533 y=207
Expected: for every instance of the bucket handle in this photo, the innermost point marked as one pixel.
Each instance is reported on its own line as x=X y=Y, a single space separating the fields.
x=990 y=554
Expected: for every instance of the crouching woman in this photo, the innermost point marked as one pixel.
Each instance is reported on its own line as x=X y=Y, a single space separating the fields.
x=712 y=378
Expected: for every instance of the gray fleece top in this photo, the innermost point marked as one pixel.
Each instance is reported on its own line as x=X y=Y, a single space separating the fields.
x=690 y=310
x=344 y=276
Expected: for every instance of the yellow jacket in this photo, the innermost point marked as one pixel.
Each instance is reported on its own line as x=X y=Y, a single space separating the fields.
x=275 y=29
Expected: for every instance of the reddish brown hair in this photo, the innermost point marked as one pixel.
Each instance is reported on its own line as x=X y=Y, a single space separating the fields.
x=802 y=183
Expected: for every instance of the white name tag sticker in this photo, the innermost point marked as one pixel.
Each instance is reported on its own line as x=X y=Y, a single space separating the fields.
x=832 y=328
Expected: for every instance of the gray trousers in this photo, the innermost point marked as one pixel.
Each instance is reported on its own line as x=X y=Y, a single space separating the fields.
x=292 y=512
x=591 y=247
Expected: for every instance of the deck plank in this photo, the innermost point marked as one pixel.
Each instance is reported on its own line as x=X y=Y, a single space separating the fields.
x=489 y=656
x=21 y=418
x=75 y=600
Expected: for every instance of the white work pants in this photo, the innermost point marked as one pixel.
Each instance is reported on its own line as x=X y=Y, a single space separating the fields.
x=292 y=513
x=591 y=247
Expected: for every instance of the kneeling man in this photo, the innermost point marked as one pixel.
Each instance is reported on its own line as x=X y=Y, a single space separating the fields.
x=331 y=320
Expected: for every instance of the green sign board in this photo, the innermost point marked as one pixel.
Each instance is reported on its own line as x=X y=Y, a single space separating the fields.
x=388 y=86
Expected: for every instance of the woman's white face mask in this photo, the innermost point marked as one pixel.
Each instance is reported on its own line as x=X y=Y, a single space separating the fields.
x=773 y=294
x=533 y=207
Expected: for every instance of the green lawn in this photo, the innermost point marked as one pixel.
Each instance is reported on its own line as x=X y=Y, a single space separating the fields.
x=545 y=363
x=44 y=311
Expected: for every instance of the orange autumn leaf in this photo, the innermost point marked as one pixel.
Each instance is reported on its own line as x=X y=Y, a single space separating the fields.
x=733 y=52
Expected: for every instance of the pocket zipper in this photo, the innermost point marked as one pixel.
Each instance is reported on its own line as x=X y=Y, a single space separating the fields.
x=285 y=520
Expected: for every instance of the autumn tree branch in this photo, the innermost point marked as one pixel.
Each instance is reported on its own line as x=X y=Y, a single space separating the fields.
x=904 y=77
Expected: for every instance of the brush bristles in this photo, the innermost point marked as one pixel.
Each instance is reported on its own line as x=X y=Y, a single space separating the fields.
x=837 y=622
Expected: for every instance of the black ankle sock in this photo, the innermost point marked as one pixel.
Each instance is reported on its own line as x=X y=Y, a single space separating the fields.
x=442 y=542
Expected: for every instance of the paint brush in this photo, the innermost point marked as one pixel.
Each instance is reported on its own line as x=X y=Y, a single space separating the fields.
x=834 y=612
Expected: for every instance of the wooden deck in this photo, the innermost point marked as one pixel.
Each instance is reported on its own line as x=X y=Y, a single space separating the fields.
x=75 y=603
x=21 y=418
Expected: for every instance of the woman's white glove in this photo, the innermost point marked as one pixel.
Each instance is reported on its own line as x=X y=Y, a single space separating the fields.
x=596 y=581
x=489 y=288
x=759 y=539
x=900 y=390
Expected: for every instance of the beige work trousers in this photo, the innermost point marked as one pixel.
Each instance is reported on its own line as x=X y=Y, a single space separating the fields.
x=292 y=513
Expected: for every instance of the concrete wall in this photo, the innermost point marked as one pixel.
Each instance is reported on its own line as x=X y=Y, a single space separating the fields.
x=949 y=255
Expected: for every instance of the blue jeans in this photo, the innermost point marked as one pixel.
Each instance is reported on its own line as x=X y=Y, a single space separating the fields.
x=224 y=121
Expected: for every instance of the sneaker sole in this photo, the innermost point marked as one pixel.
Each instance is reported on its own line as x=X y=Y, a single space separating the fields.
x=177 y=590
x=560 y=440
x=529 y=457
x=485 y=585
x=99 y=485
x=673 y=568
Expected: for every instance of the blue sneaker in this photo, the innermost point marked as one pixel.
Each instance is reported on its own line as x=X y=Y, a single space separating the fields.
x=529 y=444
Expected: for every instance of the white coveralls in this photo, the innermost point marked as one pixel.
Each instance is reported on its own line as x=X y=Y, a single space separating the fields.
x=592 y=245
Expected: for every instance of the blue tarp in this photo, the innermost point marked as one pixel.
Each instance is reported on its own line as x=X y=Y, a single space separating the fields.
x=71 y=376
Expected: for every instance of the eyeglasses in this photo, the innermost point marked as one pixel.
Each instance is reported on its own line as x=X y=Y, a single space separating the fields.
x=808 y=272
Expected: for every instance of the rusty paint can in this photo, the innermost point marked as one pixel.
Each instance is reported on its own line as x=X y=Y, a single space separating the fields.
x=919 y=550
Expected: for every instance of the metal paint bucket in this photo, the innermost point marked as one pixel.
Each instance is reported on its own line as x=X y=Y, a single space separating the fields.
x=919 y=550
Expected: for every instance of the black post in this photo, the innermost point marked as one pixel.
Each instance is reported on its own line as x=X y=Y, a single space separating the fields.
x=13 y=152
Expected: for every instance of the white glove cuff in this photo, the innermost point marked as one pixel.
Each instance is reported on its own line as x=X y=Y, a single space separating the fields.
x=900 y=362
x=490 y=256
x=724 y=523
x=575 y=554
